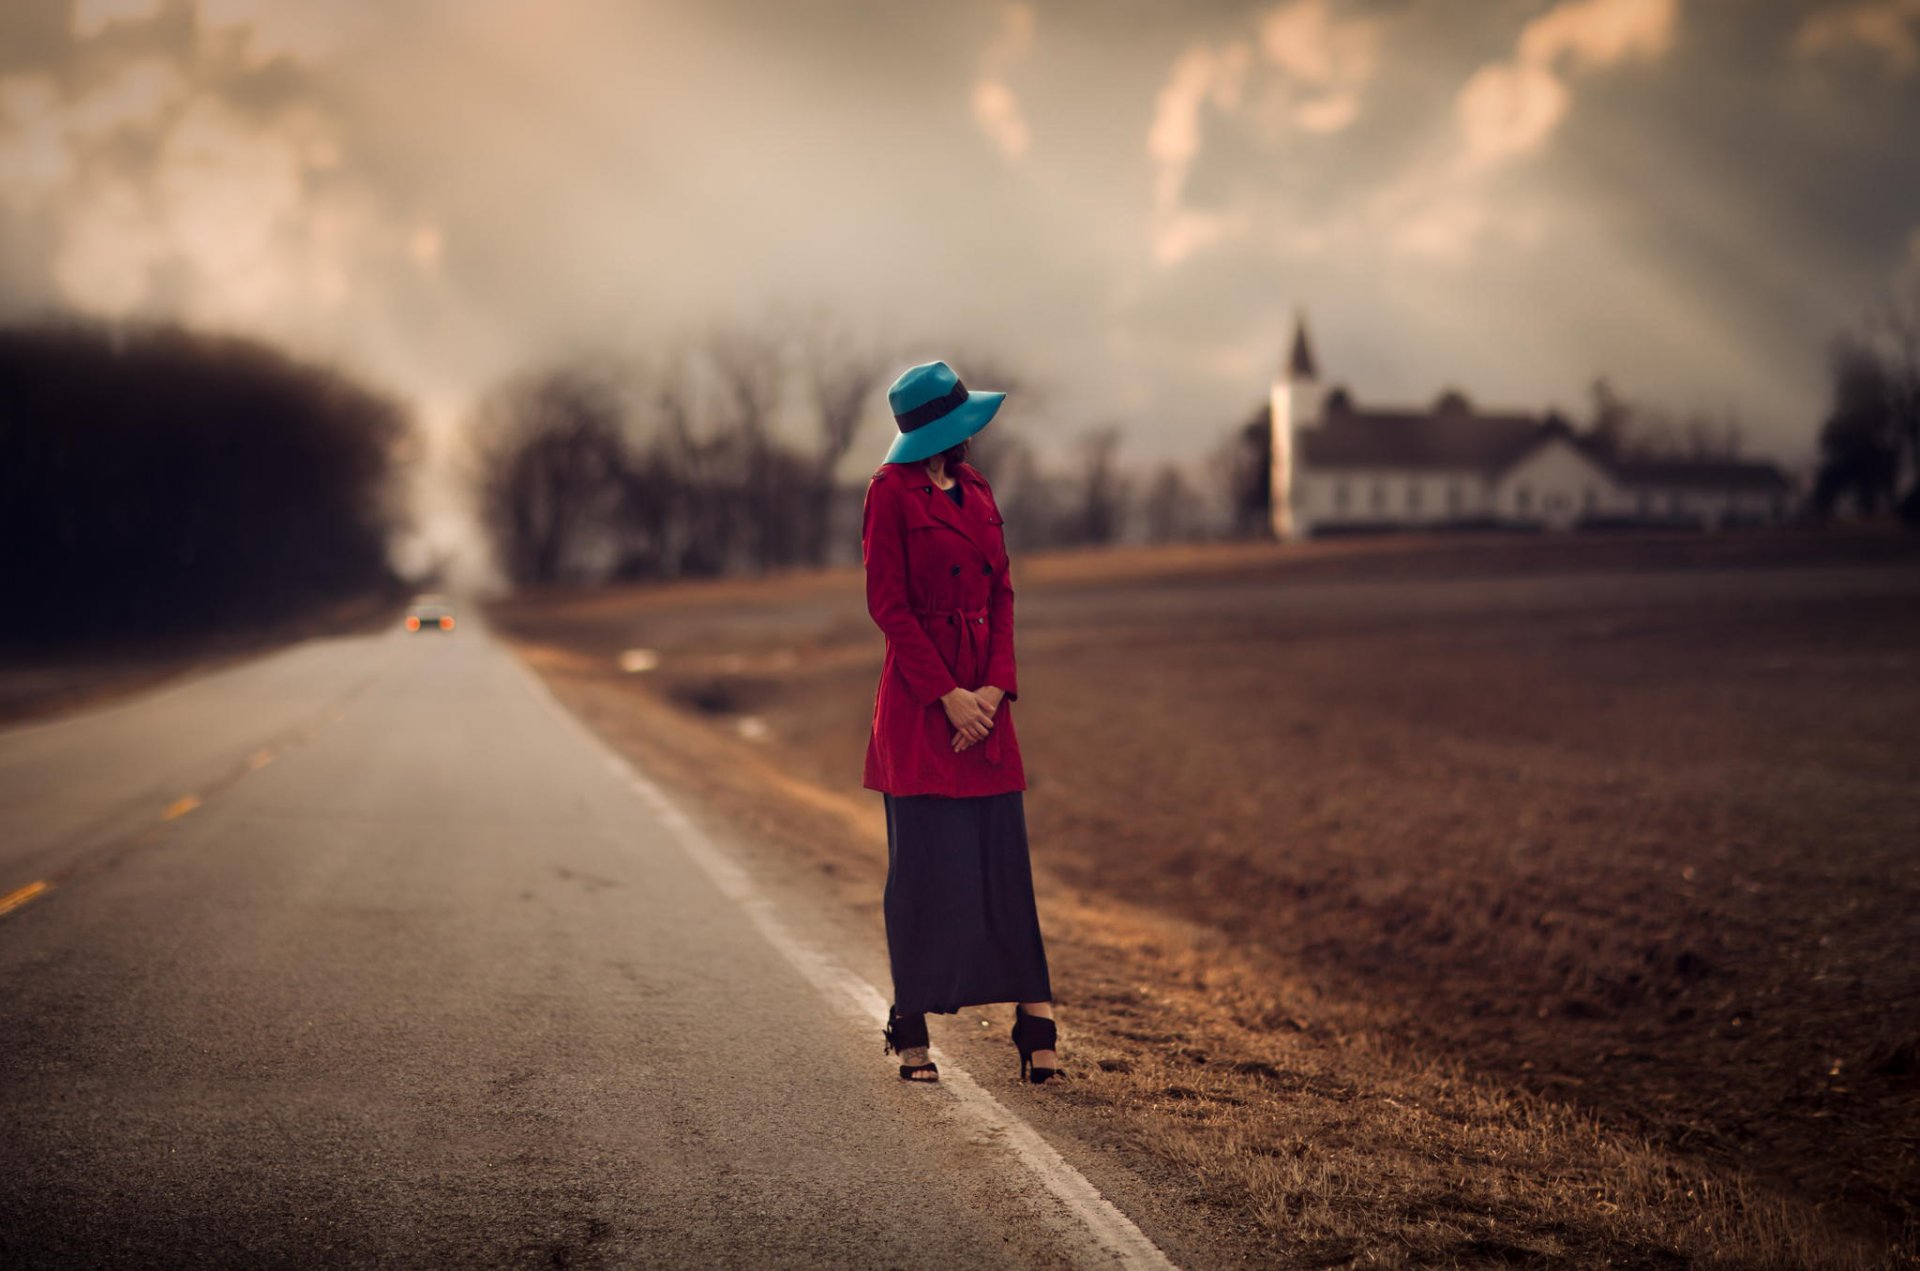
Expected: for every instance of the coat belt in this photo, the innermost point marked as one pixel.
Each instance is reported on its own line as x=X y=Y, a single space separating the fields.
x=973 y=655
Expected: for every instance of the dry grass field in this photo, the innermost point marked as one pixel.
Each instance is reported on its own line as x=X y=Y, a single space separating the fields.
x=1412 y=902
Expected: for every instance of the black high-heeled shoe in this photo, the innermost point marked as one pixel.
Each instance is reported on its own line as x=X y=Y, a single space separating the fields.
x=1031 y=1033
x=903 y=1033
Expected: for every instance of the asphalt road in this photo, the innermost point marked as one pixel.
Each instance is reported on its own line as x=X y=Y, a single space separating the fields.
x=361 y=954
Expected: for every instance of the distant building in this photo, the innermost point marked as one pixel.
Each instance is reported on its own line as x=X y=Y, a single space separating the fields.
x=1335 y=467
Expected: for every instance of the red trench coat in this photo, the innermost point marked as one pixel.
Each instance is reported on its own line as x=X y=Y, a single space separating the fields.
x=937 y=586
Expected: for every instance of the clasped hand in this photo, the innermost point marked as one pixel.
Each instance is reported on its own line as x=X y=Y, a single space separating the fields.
x=971 y=713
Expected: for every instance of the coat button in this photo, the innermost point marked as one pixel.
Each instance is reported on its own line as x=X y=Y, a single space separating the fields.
x=956 y=569
x=986 y=569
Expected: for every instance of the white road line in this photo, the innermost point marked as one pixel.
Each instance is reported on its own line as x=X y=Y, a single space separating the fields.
x=1124 y=1243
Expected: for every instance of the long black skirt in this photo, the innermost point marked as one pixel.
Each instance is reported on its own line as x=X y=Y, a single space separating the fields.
x=962 y=929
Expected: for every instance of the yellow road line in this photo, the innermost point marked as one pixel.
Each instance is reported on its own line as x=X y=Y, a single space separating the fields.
x=174 y=811
x=21 y=895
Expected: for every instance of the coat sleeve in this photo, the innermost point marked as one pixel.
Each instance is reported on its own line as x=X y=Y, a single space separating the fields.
x=1000 y=665
x=883 y=549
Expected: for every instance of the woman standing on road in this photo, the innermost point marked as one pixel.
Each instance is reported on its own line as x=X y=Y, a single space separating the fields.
x=962 y=929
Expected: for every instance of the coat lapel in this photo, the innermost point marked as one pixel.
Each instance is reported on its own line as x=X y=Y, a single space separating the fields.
x=970 y=519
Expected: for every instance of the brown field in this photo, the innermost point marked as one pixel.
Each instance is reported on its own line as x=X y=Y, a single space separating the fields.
x=1425 y=901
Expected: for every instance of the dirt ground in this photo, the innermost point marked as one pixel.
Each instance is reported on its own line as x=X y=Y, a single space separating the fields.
x=1418 y=901
x=37 y=683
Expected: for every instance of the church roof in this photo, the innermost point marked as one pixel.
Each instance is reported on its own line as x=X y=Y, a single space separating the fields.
x=1300 y=363
x=1418 y=439
x=1459 y=439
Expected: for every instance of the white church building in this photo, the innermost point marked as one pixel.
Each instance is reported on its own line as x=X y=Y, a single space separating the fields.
x=1338 y=468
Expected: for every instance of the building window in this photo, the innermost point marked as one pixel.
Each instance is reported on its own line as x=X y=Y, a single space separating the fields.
x=1453 y=496
x=1379 y=496
x=1591 y=498
x=1413 y=496
x=1339 y=496
x=1523 y=498
x=1646 y=503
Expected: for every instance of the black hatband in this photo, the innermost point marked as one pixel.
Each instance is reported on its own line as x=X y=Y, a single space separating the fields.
x=938 y=408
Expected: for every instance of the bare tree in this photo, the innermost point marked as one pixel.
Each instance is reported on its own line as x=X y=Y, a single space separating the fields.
x=699 y=469
x=751 y=368
x=1027 y=497
x=1638 y=430
x=551 y=463
x=1893 y=328
x=1611 y=418
x=1000 y=449
x=1170 y=506
x=843 y=374
x=652 y=516
x=1099 y=487
x=1860 y=440
x=1239 y=469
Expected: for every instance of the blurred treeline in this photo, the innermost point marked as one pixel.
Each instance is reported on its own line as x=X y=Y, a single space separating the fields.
x=1871 y=435
x=154 y=481
x=735 y=453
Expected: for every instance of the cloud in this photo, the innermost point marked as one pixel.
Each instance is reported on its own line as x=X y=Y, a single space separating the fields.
x=1444 y=208
x=35 y=160
x=110 y=250
x=1593 y=35
x=1305 y=68
x=1508 y=109
x=1200 y=76
x=1883 y=27
x=185 y=175
x=997 y=111
x=1326 y=62
x=273 y=28
x=90 y=17
x=995 y=107
x=435 y=195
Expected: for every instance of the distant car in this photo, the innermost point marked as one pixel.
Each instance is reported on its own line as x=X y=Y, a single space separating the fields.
x=430 y=613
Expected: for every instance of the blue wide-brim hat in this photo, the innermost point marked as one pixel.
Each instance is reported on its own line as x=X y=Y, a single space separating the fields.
x=934 y=411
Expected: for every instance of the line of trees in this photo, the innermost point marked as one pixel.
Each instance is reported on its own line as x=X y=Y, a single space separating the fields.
x=728 y=454
x=722 y=456
x=1871 y=435
x=689 y=463
x=157 y=481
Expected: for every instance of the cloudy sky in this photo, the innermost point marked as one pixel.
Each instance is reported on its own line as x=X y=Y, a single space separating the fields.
x=1126 y=202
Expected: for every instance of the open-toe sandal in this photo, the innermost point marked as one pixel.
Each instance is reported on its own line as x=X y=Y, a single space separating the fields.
x=903 y=1033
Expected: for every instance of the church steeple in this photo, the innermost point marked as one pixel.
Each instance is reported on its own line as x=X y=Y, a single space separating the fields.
x=1294 y=408
x=1300 y=364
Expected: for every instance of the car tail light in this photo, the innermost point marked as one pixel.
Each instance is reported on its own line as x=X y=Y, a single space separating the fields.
x=446 y=624
x=413 y=624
